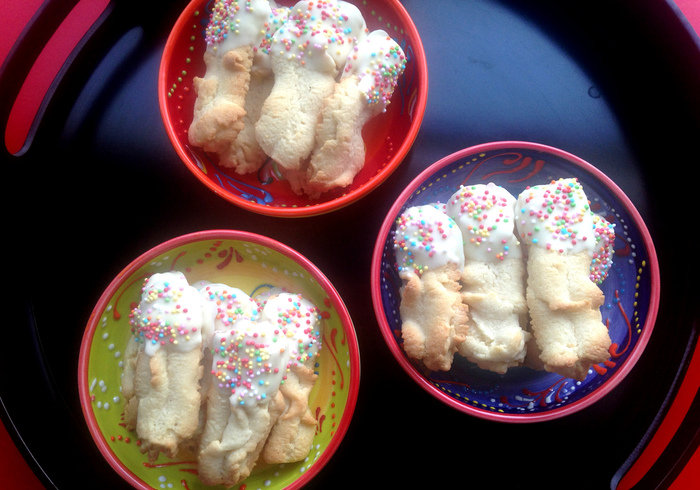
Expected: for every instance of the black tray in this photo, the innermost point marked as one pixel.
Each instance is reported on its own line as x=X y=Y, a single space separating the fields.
x=614 y=82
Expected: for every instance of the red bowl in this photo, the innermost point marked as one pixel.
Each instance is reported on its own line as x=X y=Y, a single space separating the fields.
x=388 y=137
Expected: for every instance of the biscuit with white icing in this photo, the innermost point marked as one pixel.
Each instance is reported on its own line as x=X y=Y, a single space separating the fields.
x=299 y=322
x=493 y=278
x=365 y=89
x=430 y=260
x=233 y=34
x=163 y=383
x=556 y=223
x=243 y=400
x=307 y=53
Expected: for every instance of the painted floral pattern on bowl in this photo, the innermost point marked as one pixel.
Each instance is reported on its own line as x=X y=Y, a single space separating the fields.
x=253 y=264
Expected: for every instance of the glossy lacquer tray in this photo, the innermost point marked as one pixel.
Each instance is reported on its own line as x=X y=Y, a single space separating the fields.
x=92 y=182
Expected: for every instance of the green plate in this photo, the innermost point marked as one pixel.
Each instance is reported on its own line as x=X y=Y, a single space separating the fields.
x=252 y=263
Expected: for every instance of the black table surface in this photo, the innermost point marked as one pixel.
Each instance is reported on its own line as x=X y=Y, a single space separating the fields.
x=615 y=82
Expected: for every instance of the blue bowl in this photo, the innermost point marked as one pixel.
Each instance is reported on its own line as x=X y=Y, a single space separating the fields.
x=631 y=289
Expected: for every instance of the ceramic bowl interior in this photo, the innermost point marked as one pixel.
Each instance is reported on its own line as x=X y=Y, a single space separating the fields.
x=252 y=263
x=388 y=136
x=631 y=289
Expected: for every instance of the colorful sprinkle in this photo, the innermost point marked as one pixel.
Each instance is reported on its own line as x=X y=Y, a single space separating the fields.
x=426 y=238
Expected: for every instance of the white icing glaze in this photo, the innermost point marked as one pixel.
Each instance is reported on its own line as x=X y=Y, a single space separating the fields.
x=300 y=321
x=261 y=60
x=170 y=314
x=262 y=297
x=250 y=360
x=234 y=24
x=485 y=215
x=225 y=304
x=426 y=238
x=319 y=35
x=556 y=216
x=378 y=61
